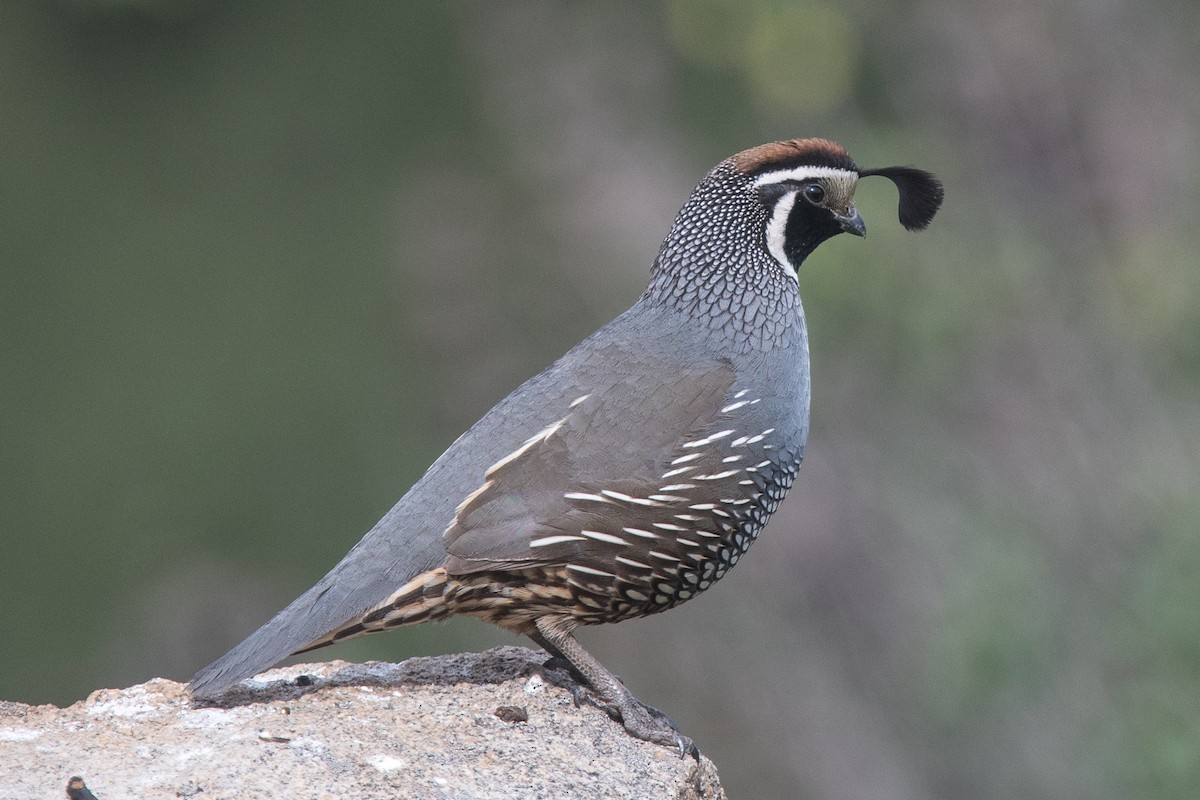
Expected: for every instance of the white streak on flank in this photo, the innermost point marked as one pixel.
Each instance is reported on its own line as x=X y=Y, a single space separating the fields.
x=746 y=483
x=640 y=532
x=668 y=498
x=762 y=464
x=734 y=406
x=678 y=487
x=688 y=517
x=742 y=393
x=756 y=400
x=760 y=437
x=578 y=400
x=539 y=437
x=687 y=542
x=585 y=496
x=717 y=476
x=631 y=563
x=600 y=536
x=703 y=507
x=777 y=231
x=663 y=556
x=545 y=541
x=668 y=526
x=590 y=571
x=738 y=442
x=685 y=459
x=707 y=534
x=730 y=459
x=712 y=437
x=671 y=473
x=640 y=501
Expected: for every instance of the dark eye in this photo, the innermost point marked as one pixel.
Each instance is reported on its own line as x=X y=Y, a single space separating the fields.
x=814 y=193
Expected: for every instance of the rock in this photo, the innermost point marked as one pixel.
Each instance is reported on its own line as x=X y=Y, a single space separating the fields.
x=478 y=725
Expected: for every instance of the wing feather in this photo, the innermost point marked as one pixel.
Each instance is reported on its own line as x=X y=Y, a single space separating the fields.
x=593 y=469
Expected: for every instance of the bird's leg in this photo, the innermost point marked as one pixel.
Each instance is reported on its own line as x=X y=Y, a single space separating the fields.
x=558 y=661
x=640 y=720
x=580 y=689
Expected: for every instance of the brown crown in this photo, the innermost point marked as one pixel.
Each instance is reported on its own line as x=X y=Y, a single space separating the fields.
x=793 y=152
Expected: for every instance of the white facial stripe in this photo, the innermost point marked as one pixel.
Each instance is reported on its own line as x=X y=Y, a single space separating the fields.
x=776 y=231
x=777 y=225
x=804 y=174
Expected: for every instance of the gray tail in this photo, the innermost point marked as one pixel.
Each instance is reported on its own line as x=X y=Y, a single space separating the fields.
x=340 y=598
x=301 y=622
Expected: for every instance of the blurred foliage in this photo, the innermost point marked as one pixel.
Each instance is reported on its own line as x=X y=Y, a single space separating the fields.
x=762 y=41
x=261 y=262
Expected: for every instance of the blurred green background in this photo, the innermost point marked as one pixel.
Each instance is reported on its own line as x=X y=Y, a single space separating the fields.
x=263 y=261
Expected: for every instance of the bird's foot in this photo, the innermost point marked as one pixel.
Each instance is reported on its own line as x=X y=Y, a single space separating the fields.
x=640 y=720
x=596 y=685
x=651 y=725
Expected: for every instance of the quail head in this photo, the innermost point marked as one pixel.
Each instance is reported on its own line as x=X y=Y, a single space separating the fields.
x=637 y=469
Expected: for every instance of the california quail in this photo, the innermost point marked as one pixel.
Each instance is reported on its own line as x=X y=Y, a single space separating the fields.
x=639 y=467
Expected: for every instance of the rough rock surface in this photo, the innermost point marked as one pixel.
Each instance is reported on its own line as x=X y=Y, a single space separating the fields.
x=438 y=728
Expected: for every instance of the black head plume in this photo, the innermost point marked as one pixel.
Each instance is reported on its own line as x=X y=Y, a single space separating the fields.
x=920 y=194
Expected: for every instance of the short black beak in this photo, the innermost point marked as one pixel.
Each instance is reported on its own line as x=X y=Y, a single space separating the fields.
x=852 y=222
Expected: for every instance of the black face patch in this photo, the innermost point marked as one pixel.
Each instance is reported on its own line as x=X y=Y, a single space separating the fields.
x=807 y=226
x=803 y=203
